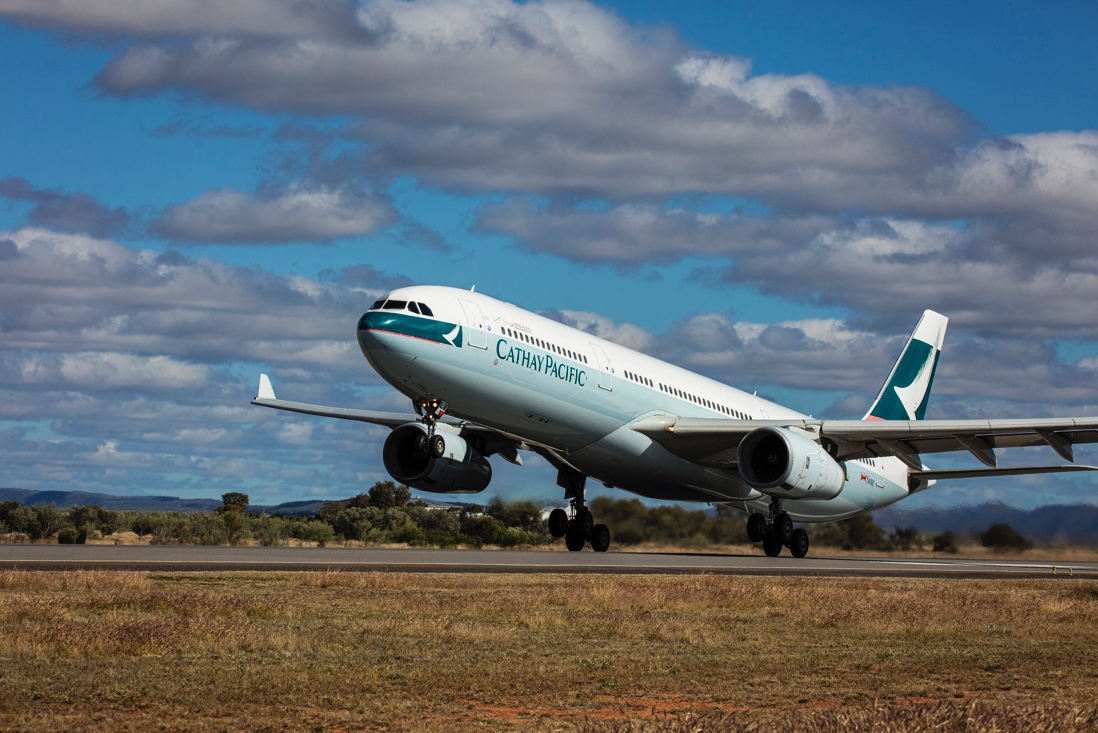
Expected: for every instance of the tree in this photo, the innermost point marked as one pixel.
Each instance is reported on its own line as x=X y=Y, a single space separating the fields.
x=235 y=499
x=904 y=538
x=386 y=494
x=945 y=542
x=1004 y=537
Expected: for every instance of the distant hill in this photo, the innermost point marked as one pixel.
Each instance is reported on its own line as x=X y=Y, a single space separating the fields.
x=65 y=499
x=1055 y=523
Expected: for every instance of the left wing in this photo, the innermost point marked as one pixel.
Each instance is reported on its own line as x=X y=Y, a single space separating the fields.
x=713 y=441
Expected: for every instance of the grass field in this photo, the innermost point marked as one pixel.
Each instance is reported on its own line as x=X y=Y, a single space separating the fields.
x=125 y=651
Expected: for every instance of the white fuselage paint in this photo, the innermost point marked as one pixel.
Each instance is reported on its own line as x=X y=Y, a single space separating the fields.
x=548 y=384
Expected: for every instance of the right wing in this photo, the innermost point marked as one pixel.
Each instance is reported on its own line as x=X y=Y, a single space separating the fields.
x=266 y=398
x=493 y=441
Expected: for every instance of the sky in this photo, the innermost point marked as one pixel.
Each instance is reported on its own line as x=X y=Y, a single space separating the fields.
x=767 y=193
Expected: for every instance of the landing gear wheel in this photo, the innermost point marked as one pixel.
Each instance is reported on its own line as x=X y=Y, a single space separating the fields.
x=585 y=521
x=600 y=538
x=799 y=544
x=558 y=522
x=772 y=544
x=438 y=446
x=574 y=539
x=783 y=528
x=756 y=527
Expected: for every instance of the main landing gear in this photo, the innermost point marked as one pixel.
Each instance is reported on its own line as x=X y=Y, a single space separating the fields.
x=777 y=533
x=577 y=525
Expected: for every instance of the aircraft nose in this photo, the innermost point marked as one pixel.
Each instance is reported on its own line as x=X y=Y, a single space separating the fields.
x=370 y=337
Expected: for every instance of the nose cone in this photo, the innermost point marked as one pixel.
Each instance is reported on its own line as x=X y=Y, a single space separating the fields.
x=376 y=331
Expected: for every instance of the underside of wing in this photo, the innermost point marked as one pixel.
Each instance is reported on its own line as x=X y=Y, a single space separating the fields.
x=266 y=398
x=492 y=441
x=714 y=442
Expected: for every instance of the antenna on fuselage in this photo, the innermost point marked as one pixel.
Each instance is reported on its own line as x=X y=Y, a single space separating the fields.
x=473 y=289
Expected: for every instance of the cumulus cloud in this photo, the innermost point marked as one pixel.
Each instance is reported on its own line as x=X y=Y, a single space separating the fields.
x=66 y=212
x=253 y=18
x=884 y=268
x=555 y=97
x=635 y=234
x=287 y=214
x=137 y=368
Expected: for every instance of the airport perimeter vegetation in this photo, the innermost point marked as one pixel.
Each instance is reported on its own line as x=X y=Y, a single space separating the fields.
x=388 y=516
x=205 y=651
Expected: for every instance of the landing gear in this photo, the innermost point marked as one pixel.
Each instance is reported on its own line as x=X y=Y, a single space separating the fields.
x=600 y=538
x=772 y=546
x=558 y=522
x=577 y=526
x=798 y=545
x=756 y=527
x=777 y=533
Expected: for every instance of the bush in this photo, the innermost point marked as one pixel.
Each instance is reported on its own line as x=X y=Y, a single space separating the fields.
x=946 y=542
x=72 y=536
x=1004 y=537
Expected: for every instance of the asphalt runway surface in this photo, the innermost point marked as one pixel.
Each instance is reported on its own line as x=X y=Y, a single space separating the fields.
x=175 y=558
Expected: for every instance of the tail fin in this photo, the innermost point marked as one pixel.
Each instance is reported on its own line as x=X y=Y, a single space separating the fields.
x=907 y=389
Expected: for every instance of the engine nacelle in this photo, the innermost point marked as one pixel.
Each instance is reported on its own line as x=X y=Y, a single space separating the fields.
x=442 y=463
x=782 y=463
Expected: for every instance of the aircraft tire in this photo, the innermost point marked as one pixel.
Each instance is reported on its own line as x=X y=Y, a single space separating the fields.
x=558 y=523
x=756 y=527
x=783 y=527
x=600 y=538
x=772 y=544
x=585 y=520
x=438 y=446
x=799 y=544
x=574 y=539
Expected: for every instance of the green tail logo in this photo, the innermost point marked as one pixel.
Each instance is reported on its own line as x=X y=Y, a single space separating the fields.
x=907 y=390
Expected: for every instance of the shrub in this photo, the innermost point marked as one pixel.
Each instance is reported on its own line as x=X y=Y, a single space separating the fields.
x=945 y=542
x=70 y=535
x=1004 y=537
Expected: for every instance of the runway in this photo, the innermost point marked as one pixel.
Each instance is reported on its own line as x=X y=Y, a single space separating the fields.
x=177 y=559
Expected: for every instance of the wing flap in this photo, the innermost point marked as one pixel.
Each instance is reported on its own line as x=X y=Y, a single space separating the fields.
x=983 y=472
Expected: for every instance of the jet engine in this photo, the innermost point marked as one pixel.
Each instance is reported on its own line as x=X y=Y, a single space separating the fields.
x=782 y=463
x=442 y=463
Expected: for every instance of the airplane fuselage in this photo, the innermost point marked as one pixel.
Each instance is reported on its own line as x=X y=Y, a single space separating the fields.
x=576 y=395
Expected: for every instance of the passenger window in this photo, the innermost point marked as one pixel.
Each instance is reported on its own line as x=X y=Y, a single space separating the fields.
x=425 y=310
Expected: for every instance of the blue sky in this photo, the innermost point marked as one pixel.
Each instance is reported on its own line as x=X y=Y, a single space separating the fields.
x=769 y=193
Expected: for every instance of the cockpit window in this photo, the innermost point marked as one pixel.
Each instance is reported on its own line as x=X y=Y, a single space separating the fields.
x=395 y=305
x=377 y=306
x=425 y=310
x=413 y=307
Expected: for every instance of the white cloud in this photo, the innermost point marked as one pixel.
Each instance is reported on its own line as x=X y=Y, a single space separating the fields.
x=263 y=18
x=294 y=214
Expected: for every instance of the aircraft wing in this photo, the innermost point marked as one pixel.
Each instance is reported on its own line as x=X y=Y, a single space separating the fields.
x=495 y=441
x=266 y=398
x=714 y=441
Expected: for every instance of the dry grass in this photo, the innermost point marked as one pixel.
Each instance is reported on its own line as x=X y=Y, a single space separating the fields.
x=464 y=652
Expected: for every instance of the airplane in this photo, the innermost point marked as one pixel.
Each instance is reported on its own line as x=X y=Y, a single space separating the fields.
x=487 y=378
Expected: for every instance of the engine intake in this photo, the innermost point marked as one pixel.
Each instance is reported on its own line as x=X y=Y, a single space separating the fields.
x=442 y=463
x=782 y=463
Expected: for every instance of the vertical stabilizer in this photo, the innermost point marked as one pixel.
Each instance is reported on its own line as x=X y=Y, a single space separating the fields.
x=907 y=389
